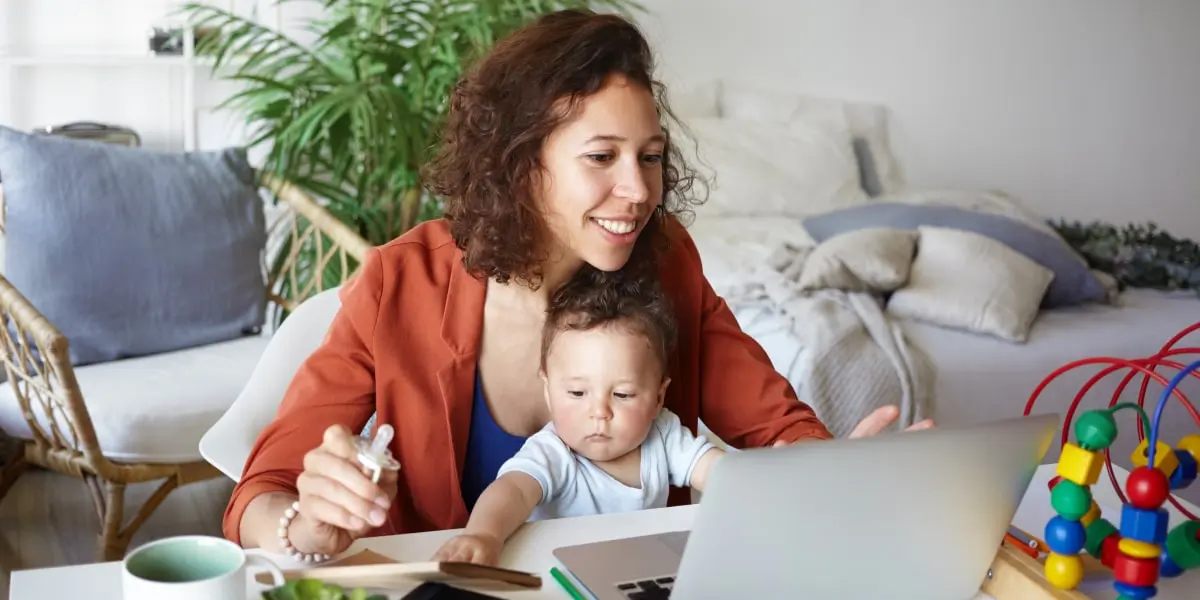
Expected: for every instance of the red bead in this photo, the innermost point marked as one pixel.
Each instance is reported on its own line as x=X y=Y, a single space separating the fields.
x=1054 y=481
x=1147 y=487
x=1135 y=571
x=1109 y=549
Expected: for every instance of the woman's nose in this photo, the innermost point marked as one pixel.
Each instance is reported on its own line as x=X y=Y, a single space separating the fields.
x=631 y=184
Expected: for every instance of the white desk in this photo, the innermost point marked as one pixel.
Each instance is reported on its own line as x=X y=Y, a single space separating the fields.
x=530 y=549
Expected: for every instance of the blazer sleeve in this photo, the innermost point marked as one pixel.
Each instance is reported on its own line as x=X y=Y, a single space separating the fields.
x=744 y=400
x=335 y=384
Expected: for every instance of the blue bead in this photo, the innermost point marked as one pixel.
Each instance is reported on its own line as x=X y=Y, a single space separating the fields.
x=1185 y=473
x=1064 y=536
x=1135 y=592
x=1169 y=568
x=1148 y=526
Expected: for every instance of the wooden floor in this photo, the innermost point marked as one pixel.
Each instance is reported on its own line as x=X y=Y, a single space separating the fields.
x=48 y=520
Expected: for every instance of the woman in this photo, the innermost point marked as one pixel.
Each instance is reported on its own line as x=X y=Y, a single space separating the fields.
x=554 y=160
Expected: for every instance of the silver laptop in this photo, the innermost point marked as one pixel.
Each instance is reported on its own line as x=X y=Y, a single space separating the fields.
x=916 y=515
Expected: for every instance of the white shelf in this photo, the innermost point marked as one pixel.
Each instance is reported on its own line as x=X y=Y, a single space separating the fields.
x=182 y=70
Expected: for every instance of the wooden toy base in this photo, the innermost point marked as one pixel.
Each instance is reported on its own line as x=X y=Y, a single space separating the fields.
x=1017 y=576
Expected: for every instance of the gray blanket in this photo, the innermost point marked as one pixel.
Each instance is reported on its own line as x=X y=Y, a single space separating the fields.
x=854 y=359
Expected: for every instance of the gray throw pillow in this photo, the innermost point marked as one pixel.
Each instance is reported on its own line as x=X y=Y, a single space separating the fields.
x=131 y=252
x=1073 y=282
x=868 y=172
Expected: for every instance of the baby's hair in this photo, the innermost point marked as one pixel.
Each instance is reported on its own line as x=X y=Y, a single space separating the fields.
x=593 y=299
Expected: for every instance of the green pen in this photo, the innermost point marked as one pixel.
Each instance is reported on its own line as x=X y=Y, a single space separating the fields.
x=566 y=584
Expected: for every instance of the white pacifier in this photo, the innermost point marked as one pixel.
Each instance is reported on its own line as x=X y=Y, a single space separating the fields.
x=374 y=454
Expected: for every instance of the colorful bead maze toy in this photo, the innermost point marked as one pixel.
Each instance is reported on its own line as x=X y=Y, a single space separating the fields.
x=1139 y=550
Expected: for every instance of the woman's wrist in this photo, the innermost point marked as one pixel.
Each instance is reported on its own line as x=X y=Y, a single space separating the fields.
x=260 y=521
x=296 y=546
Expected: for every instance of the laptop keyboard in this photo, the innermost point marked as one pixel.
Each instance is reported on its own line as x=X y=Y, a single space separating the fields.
x=648 y=589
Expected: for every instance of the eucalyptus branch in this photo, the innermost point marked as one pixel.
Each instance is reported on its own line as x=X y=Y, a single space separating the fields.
x=1136 y=255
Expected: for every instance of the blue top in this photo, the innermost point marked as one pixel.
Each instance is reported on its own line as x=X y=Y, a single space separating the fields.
x=488 y=447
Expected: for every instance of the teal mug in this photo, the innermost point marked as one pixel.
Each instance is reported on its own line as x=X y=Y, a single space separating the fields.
x=193 y=567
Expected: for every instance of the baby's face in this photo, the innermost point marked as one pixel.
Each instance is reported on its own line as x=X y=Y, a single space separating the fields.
x=604 y=387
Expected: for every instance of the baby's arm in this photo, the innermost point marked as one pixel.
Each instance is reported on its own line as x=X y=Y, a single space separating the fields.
x=534 y=475
x=690 y=458
x=504 y=506
x=704 y=466
x=501 y=509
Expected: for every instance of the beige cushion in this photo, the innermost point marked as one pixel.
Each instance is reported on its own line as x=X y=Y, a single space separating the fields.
x=864 y=260
x=964 y=280
x=155 y=409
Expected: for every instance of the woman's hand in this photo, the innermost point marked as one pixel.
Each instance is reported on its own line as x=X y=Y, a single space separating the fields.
x=881 y=419
x=476 y=548
x=338 y=501
x=877 y=422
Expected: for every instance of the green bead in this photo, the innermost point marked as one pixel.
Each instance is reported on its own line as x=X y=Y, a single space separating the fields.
x=1183 y=546
x=1097 y=532
x=1095 y=430
x=1070 y=500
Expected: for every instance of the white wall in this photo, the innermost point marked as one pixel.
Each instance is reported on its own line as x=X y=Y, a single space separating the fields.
x=1085 y=108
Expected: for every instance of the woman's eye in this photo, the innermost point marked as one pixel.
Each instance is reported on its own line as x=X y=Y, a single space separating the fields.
x=653 y=159
x=575 y=393
x=600 y=158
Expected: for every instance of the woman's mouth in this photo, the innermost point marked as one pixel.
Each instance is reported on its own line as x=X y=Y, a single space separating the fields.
x=617 y=227
x=618 y=231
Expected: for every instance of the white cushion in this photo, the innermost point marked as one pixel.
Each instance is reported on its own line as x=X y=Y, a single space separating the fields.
x=154 y=409
x=228 y=442
x=745 y=101
x=963 y=280
x=767 y=169
x=875 y=259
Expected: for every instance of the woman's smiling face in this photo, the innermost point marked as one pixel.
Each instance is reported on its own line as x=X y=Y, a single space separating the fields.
x=603 y=175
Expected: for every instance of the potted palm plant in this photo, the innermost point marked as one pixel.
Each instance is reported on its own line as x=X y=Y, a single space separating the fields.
x=351 y=117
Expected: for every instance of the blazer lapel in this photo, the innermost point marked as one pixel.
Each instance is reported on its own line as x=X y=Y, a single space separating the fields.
x=462 y=323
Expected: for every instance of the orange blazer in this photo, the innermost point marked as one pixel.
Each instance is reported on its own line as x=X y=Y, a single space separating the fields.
x=405 y=343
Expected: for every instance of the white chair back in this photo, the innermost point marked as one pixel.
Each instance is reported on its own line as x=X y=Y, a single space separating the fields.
x=227 y=443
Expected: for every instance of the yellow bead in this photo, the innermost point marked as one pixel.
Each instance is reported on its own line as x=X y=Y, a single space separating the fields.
x=1191 y=443
x=1164 y=458
x=1093 y=513
x=1064 y=571
x=1138 y=549
x=1079 y=466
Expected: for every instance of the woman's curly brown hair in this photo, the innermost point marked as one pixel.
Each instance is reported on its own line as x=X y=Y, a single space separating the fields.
x=499 y=114
x=594 y=299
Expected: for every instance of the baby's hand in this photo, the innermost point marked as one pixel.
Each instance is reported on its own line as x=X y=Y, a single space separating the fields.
x=473 y=548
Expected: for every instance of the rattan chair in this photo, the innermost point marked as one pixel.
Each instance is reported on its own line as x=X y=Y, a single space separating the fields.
x=55 y=407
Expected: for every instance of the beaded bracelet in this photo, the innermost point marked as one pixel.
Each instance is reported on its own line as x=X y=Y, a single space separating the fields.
x=288 y=548
x=375 y=456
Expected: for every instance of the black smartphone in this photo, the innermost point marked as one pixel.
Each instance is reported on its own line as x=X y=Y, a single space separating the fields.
x=436 y=590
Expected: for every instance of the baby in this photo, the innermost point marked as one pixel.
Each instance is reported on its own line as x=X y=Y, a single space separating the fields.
x=610 y=446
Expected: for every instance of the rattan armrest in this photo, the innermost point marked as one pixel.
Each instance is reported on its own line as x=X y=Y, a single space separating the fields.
x=314 y=235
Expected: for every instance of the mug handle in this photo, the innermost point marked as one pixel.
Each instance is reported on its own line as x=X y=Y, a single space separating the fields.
x=255 y=561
